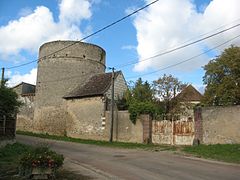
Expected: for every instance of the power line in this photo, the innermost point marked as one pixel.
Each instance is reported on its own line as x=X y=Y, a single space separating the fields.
x=177 y=48
x=88 y=36
x=121 y=19
x=167 y=67
x=70 y=77
x=21 y=65
x=213 y=30
x=186 y=60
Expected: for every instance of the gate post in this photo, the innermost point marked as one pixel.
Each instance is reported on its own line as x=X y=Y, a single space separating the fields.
x=147 y=128
x=4 y=125
x=198 y=126
x=172 y=140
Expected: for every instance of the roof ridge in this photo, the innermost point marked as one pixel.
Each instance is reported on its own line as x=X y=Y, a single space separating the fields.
x=97 y=84
x=189 y=93
x=22 y=83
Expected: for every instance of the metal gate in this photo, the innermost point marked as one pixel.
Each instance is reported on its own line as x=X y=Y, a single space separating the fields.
x=7 y=127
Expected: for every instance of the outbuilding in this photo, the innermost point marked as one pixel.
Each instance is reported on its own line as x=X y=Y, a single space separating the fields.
x=87 y=105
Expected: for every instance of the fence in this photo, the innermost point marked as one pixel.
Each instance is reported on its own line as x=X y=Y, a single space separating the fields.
x=7 y=127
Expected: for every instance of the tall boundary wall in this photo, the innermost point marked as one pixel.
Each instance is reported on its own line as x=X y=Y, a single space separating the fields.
x=95 y=128
x=211 y=125
x=124 y=130
x=221 y=125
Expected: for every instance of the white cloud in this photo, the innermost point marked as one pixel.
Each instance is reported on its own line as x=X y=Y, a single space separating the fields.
x=130 y=10
x=168 y=23
x=25 y=11
x=73 y=11
x=35 y=27
x=27 y=32
x=18 y=78
x=30 y=31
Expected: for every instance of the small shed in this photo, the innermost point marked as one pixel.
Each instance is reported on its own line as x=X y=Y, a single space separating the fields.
x=87 y=105
x=26 y=94
x=24 y=89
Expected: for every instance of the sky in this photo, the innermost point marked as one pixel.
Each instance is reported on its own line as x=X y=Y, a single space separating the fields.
x=25 y=25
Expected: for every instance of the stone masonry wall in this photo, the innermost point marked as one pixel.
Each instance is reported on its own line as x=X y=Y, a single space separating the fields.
x=52 y=121
x=124 y=129
x=25 y=116
x=85 y=120
x=59 y=74
x=80 y=125
x=97 y=126
x=18 y=89
x=120 y=87
x=221 y=125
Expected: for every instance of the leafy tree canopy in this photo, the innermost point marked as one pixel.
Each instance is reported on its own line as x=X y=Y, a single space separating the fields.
x=222 y=78
x=139 y=99
x=166 y=88
x=142 y=97
x=142 y=91
x=9 y=103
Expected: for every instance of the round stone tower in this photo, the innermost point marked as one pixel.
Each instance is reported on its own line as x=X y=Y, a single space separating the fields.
x=63 y=65
x=60 y=72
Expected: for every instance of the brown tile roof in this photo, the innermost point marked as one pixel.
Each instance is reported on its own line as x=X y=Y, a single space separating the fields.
x=96 y=86
x=189 y=94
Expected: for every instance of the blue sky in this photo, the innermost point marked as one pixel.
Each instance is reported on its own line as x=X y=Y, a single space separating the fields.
x=25 y=25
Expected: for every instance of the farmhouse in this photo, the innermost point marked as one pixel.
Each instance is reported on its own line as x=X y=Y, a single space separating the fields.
x=189 y=95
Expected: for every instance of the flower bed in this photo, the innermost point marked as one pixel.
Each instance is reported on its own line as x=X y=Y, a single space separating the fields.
x=40 y=162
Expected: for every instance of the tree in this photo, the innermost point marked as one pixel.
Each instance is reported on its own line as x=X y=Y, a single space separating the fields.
x=139 y=99
x=142 y=91
x=222 y=78
x=9 y=103
x=138 y=92
x=166 y=89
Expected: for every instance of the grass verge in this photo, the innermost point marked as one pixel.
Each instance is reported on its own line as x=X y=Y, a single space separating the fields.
x=9 y=163
x=102 y=143
x=221 y=152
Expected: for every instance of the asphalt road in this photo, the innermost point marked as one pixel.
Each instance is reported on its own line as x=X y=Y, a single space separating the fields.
x=116 y=163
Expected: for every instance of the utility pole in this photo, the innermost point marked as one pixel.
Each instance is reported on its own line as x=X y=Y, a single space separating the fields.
x=112 y=106
x=2 y=80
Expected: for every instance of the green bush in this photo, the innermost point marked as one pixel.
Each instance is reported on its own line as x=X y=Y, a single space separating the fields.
x=137 y=108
